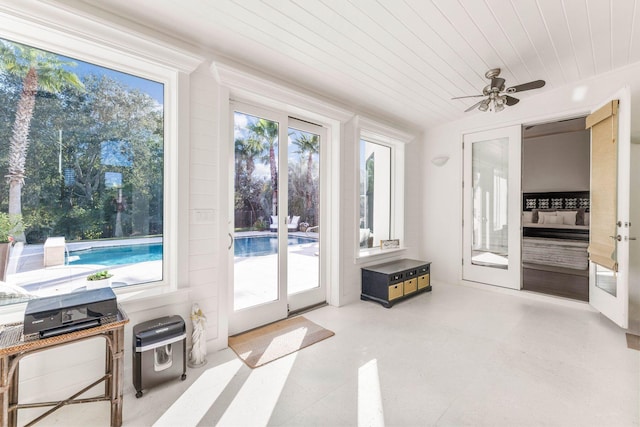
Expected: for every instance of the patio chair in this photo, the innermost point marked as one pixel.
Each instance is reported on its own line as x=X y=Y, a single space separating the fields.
x=292 y=225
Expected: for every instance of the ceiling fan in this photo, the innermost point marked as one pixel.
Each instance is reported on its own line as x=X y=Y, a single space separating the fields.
x=496 y=94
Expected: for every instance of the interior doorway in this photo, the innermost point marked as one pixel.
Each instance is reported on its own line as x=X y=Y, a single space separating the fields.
x=555 y=208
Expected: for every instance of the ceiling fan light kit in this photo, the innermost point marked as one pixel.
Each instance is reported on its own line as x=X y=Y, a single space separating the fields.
x=496 y=95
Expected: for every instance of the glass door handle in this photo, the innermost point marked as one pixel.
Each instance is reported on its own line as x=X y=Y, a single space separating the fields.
x=230 y=241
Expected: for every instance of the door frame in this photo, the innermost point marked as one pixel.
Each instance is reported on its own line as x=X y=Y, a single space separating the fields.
x=261 y=314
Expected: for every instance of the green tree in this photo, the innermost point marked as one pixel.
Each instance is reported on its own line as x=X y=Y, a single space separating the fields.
x=247 y=193
x=38 y=70
x=308 y=145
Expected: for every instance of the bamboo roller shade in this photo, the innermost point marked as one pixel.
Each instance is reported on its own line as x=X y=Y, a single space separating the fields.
x=604 y=175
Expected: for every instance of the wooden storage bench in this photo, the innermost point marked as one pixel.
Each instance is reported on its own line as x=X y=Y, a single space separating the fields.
x=393 y=281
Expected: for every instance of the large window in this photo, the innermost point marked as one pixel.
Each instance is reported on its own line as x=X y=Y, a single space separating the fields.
x=381 y=186
x=84 y=167
x=375 y=193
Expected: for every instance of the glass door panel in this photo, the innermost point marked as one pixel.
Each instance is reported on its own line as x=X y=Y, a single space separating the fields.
x=491 y=221
x=255 y=211
x=490 y=202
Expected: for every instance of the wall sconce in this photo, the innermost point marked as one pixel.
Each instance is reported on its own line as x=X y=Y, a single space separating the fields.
x=440 y=160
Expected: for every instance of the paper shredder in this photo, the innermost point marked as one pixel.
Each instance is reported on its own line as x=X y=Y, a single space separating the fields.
x=159 y=352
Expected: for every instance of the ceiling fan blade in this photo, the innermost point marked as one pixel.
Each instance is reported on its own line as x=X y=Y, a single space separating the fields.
x=468 y=96
x=536 y=84
x=474 y=106
x=511 y=100
x=498 y=83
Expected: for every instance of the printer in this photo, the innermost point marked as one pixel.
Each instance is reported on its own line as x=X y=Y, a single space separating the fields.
x=60 y=314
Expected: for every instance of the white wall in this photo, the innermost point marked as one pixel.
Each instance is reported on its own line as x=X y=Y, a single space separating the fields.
x=442 y=192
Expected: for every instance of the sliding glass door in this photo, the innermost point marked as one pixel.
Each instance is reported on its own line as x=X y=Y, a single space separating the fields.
x=276 y=236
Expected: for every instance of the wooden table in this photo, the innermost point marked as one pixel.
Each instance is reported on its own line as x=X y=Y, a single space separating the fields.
x=13 y=349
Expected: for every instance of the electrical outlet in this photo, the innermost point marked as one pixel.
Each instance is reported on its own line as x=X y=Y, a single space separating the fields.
x=203 y=216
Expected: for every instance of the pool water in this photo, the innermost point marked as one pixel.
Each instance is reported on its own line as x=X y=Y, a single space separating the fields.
x=263 y=245
x=117 y=255
x=131 y=254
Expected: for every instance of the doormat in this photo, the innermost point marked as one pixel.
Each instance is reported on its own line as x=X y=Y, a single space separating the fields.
x=268 y=343
x=633 y=341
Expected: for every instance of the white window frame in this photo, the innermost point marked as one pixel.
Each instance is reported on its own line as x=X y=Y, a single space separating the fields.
x=378 y=133
x=37 y=24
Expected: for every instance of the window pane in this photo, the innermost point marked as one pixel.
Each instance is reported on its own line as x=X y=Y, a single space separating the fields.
x=606 y=280
x=255 y=211
x=375 y=193
x=490 y=190
x=85 y=174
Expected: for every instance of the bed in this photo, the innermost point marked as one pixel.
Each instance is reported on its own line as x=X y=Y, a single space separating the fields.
x=555 y=237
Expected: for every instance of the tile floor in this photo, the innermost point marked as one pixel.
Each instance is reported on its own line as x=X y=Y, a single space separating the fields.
x=457 y=356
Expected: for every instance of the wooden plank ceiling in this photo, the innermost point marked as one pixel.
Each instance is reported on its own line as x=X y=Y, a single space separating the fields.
x=404 y=59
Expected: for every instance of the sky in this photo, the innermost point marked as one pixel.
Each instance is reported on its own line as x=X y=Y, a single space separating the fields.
x=153 y=89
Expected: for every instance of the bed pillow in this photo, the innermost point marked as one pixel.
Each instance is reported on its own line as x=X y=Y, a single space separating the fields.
x=536 y=214
x=551 y=219
x=527 y=217
x=579 y=215
x=568 y=217
x=543 y=215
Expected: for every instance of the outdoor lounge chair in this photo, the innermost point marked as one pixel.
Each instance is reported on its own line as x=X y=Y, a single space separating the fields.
x=292 y=223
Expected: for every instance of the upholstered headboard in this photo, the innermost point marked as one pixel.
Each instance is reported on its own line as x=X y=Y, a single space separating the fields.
x=556 y=200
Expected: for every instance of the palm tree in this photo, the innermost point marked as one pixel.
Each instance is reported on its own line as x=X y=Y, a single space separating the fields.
x=247 y=149
x=267 y=131
x=308 y=144
x=39 y=70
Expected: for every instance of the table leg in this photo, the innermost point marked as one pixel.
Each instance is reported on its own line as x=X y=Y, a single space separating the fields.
x=13 y=391
x=4 y=390
x=117 y=377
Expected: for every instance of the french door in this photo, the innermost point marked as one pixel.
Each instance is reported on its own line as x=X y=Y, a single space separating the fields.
x=276 y=234
x=491 y=207
x=610 y=230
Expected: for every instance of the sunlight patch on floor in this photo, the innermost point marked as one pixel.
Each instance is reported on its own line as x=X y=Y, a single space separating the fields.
x=194 y=403
x=370 y=411
x=256 y=400
x=291 y=339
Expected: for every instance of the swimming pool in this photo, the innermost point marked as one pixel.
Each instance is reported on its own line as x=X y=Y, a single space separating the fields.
x=117 y=255
x=131 y=254
x=263 y=245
